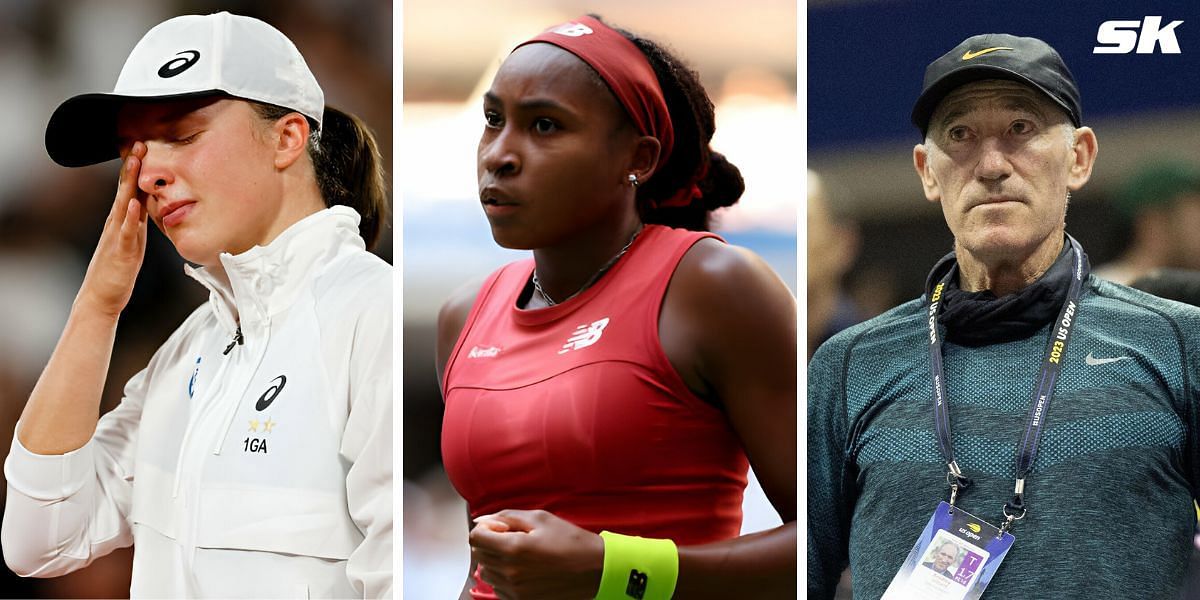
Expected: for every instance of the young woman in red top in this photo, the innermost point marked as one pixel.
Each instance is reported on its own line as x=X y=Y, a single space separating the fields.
x=622 y=378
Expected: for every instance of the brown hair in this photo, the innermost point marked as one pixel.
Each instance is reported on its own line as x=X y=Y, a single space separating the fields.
x=348 y=167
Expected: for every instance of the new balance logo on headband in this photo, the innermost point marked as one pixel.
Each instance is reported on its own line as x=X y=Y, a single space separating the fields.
x=572 y=29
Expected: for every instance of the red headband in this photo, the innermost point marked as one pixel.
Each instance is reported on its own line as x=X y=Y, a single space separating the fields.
x=628 y=74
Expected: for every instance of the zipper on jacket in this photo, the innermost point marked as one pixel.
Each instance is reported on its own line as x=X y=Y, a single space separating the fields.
x=235 y=403
x=237 y=340
x=205 y=403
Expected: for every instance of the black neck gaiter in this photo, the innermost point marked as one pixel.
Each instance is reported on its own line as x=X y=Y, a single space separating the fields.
x=980 y=318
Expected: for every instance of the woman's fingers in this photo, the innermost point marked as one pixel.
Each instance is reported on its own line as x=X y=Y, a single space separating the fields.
x=127 y=182
x=133 y=227
x=119 y=253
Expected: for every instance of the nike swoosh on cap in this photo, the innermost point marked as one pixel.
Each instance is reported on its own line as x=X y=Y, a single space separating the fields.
x=1093 y=361
x=977 y=53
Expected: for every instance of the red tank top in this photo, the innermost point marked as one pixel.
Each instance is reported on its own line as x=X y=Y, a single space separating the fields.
x=575 y=409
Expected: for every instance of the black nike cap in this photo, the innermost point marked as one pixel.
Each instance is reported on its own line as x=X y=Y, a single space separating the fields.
x=998 y=56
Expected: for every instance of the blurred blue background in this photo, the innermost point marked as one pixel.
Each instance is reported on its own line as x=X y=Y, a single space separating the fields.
x=865 y=63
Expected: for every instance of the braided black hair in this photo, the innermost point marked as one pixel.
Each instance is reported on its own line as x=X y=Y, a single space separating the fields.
x=691 y=160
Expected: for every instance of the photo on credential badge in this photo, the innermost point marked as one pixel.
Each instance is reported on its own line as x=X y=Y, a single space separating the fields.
x=51 y=218
x=465 y=130
x=1090 y=112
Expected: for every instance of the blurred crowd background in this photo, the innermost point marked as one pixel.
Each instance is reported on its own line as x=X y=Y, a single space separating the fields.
x=872 y=236
x=746 y=56
x=50 y=216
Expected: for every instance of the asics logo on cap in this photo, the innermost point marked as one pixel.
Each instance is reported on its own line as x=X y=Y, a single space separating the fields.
x=176 y=66
x=572 y=29
x=968 y=55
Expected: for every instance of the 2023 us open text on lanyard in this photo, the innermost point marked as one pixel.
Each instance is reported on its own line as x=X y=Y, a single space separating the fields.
x=1043 y=390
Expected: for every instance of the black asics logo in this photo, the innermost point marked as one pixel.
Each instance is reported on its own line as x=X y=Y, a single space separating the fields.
x=268 y=396
x=176 y=66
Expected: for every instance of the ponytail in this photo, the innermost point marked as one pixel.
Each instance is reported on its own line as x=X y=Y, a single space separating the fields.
x=348 y=167
x=692 y=162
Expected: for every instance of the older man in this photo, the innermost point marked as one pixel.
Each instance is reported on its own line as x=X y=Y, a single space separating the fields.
x=1056 y=406
x=941 y=559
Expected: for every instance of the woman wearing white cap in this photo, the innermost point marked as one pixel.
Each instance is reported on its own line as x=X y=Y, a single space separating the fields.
x=253 y=456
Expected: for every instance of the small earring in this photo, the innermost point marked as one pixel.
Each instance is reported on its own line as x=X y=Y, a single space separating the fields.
x=633 y=180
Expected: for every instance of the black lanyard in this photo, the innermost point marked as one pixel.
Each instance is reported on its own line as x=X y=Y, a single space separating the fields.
x=1043 y=390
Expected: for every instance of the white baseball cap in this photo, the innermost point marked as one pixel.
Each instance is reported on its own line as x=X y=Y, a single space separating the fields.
x=188 y=56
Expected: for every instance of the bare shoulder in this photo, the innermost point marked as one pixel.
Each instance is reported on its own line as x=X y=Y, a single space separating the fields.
x=725 y=306
x=728 y=326
x=452 y=317
x=713 y=271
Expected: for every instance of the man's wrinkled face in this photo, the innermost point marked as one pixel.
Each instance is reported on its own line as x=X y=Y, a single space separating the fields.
x=998 y=157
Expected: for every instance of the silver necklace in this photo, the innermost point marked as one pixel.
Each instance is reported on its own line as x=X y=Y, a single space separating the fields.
x=537 y=285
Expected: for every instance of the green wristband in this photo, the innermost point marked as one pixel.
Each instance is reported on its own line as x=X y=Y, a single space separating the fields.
x=638 y=568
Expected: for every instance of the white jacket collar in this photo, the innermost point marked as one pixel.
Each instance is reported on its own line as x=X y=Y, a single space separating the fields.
x=248 y=288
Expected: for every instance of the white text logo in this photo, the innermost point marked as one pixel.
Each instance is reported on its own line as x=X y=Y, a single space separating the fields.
x=1121 y=37
x=585 y=335
x=486 y=352
x=572 y=29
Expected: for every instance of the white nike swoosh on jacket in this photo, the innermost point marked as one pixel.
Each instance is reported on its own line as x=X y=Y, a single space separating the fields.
x=216 y=502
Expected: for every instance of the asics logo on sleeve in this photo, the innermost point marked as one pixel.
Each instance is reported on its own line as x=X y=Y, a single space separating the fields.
x=585 y=335
x=1092 y=361
x=268 y=396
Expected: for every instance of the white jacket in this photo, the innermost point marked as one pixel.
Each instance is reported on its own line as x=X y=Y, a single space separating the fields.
x=263 y=472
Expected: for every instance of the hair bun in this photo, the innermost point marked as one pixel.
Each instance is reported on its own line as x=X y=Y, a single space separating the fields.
x=722 y=185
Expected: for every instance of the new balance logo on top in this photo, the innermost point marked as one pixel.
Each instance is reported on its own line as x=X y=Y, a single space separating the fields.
x=483 y=352
x=585 y=335
x=1120 y=37
x=572 y=29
